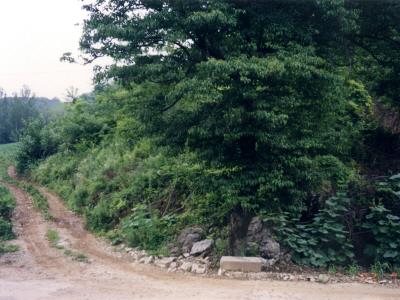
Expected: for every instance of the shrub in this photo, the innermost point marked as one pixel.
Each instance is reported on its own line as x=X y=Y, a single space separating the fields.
x=6 y=232
x=322 y=242
x=100 y=217
x=385 y=228
x=7 y=203
x=37 y=142
x=147 y=230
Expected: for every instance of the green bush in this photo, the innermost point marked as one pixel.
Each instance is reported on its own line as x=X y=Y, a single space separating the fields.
x=7 y=205
x=146 y=230
x=37 y=142
x=6 y=231
x=385 y=228
x=322 y=242
x=101 y=217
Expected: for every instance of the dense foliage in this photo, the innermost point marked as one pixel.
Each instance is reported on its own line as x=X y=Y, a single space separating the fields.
x=7 y=205
x=17 y=111
x=7 y=202
x=220 y=108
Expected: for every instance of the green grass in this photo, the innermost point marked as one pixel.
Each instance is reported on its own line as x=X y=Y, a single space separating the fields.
x=77 y=256
x=54 y=238
x=39 y=201
x=353 y=270
x=379 y=269
x=7 y=206
x=6 y=248
x=332 y=269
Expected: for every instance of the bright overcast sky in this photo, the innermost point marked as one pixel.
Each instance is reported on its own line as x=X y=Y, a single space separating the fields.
x=33 y=36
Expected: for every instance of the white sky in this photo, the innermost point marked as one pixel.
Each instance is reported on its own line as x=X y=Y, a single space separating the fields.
x=33 y=36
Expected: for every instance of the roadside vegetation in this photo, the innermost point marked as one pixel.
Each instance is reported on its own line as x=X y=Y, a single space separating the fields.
x=39 y=201
x=7 y=203
x=220 y=111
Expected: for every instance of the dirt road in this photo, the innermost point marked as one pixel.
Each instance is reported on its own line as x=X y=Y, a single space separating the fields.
x=39 y=271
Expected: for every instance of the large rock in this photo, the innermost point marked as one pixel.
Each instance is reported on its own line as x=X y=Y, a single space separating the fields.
x=147 y=260
x=242 y=264
x=202 y=247
x=323 y=278
x=186 y=266
x=187 y=238
x=198 y=268
x=271 y=249
x=257 y=232
x=259 y=240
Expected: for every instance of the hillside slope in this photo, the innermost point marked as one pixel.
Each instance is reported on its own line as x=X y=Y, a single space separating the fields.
x=41 y=271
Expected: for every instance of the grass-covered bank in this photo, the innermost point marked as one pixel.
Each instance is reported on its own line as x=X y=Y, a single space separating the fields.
x=7 y=205
x=7 y=202
x=136 y=190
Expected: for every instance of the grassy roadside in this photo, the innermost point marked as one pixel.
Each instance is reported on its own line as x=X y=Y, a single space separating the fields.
x=7 y=205
x=7 y=202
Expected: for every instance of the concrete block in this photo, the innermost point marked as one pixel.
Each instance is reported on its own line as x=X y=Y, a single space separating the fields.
x=242 y=264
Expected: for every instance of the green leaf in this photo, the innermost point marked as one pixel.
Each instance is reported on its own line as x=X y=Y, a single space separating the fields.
x=390 y=254
x=395 y=177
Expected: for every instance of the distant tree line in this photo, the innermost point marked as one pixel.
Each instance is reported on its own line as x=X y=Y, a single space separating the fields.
x=18 y=110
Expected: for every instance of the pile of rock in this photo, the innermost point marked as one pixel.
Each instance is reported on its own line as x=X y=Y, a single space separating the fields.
x=191 y=254
x=260 y=241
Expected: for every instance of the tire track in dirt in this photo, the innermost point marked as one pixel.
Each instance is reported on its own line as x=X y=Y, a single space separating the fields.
x=31 y=228
x=110 y=275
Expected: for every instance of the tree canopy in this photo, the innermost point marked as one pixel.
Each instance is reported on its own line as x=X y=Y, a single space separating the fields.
x=269 y=89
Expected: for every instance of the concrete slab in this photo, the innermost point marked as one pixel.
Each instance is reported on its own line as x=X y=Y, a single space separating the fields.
x=242 y=264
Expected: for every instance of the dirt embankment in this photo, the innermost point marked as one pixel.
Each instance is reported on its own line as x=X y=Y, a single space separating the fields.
x=39 y=271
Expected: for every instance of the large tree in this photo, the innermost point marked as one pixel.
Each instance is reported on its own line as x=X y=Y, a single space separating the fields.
x=264 y=91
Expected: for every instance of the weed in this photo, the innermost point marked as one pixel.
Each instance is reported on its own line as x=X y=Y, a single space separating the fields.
x=379 y=269
x=6 y=248
x=221 y=245
x=353 y=270
x=68 y=252
x=53 y=237
x=77 y=256
x=81 y=257
x=332 y=269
